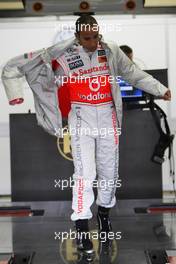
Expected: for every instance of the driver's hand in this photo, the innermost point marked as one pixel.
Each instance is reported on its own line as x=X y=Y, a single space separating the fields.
x=167 y=96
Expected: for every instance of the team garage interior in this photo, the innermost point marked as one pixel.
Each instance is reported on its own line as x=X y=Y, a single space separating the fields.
x=36 y=182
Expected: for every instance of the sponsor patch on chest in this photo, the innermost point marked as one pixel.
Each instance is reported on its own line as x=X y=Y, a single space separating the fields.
x=76 y=64
x=74 y=58
x=102 y=56
x=101 y=53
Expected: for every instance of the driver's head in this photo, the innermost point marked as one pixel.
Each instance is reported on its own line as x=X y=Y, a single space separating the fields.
x=87 y=32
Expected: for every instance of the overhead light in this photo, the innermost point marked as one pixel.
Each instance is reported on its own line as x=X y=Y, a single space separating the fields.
x=130 y=5
x=37 y=7
x=84 y=6
x=11 y=5
x=159 y=3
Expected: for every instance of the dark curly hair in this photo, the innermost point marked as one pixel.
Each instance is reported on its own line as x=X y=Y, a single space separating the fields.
x=85 y=20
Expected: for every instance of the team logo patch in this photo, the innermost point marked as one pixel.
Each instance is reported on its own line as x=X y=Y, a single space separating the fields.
x=70 y=50
x=102 y=56
x=74 y=58
x=76 y=64
x=101 y=53
x=102 y=59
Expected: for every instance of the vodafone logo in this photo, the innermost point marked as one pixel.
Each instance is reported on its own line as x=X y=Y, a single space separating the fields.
x=94 y=85
x=95 y=97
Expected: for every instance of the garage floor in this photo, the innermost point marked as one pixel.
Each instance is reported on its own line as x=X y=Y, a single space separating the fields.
x=135 y=234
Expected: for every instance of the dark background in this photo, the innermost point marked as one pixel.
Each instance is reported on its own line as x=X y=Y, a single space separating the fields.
x=36 y=162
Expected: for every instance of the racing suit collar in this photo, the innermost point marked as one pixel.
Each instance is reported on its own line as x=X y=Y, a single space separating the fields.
x=69 y=43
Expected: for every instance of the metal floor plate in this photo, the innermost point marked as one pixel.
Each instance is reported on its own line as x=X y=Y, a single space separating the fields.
x=47 y=235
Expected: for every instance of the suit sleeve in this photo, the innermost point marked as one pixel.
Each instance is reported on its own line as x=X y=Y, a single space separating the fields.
x=138 y=78
x=14 y=79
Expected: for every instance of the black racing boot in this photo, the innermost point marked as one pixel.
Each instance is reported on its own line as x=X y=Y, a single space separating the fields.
x=104 y=226
x=104 y=223
x=83 y=236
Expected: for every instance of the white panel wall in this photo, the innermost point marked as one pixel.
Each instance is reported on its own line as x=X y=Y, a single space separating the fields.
x=153 y=39
x=171 y=31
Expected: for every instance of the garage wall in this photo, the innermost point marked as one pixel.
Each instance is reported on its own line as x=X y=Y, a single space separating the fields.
x=153 y=39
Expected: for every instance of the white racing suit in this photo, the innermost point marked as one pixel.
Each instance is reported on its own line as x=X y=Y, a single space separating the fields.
x=90 y=109
x=93 y=128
